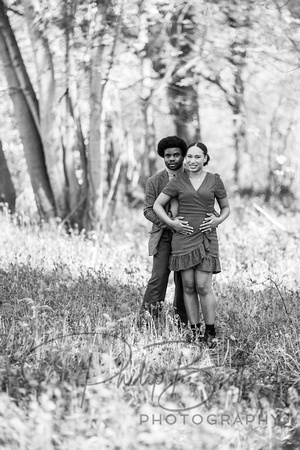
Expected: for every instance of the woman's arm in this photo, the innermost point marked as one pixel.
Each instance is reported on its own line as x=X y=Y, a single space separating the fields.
x=212 y=221
x=176 y=224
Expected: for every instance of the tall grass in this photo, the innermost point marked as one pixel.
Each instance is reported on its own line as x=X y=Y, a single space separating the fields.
x=78 y=371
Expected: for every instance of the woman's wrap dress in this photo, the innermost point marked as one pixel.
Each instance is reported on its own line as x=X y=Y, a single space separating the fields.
x=199 y=250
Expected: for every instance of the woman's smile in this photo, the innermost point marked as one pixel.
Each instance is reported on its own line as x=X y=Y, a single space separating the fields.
x=194 y=167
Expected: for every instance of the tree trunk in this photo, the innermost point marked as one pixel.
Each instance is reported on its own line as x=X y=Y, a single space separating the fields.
x=183 y=99
x=95 y=151
x=49 y=107
x=239 y=127
x=150 y=137
x=73 y=140
x=7 y=190
x=29 y=134
x=18 y=64
x=240 y=25
x=102 y=59
x=184 y=107
x=149 y=154
x=240 y=143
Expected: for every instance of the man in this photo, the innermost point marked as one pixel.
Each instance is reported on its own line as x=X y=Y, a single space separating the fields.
x=173 y=150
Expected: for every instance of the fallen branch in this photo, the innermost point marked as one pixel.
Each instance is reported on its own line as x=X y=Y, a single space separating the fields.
x=270 y=218
x=275 y=222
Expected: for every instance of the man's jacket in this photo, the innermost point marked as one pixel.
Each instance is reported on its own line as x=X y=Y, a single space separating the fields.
x=154 y=186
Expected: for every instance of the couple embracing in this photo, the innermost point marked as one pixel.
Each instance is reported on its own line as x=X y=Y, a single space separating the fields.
x=180 y=203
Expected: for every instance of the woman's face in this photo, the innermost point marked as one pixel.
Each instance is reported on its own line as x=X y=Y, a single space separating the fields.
x=195 y=159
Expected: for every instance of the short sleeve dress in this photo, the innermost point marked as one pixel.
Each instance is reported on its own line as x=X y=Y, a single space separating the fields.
x=199 y=250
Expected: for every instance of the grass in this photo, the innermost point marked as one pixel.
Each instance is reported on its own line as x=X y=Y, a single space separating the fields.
x=77 y=372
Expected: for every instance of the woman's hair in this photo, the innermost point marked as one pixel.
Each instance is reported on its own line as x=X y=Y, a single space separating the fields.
x=203 y=148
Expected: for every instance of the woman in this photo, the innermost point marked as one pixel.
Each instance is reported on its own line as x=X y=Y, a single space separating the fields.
x=196 y=252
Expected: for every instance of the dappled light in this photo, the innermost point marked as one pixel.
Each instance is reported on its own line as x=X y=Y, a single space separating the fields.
x=149 y=224
x=75 y=351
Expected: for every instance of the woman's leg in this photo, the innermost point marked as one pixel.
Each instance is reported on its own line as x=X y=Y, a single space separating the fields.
x=208 y=305
x=203 y=282
x=191 y=300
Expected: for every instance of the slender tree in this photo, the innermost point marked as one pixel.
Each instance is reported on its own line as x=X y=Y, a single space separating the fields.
x=48 y=106
x=183 y=86
x=228 y=68
x=102 y=60
x=72 y=136
x=27 y=115
x=7 y=190
x=146 y=95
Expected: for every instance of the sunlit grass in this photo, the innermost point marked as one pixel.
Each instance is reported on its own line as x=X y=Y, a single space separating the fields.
x=69 y=321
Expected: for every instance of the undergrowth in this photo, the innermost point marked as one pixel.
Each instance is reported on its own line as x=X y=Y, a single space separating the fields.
x=78 y=369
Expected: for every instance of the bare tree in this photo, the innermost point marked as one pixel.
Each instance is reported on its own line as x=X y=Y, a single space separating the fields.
x=7 y=190
x=72 y=135
x=48 y=106
x=235 y=19
x=27 y=115
x=183 y=87
x=102 y=59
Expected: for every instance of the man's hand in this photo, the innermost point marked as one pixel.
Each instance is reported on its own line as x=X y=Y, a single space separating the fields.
x=209 y=223
x=181 y=226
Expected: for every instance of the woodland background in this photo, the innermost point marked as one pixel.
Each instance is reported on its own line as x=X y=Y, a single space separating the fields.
x=88 y=88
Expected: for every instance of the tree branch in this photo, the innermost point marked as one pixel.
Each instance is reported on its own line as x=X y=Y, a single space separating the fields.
x=216 y=80
x=274 y=221
x=113 y=49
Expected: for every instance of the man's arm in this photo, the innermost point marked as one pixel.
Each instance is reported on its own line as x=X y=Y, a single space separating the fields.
x=176 y=224
x=148 y=205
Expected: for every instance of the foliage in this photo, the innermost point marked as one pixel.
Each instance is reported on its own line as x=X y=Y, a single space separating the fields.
x=223 y=71
x=69 y=320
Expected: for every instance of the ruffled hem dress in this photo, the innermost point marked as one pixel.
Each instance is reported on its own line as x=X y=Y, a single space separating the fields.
x=199 y=250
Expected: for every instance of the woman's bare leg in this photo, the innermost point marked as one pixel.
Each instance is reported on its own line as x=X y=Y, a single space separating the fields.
x=191 y=300
x=208 y=306
x=203 y=282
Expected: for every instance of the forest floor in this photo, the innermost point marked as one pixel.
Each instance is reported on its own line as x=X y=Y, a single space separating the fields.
x=78 y=372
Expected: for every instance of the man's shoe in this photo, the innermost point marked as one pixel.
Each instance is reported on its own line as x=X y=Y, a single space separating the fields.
x=209 y=340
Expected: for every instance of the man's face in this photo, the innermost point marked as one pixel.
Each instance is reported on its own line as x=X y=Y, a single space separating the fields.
x=173 y=158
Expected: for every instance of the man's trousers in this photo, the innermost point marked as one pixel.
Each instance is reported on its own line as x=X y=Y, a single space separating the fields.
x=157 y=285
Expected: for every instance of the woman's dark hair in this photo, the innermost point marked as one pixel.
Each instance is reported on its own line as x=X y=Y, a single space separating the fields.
x=203 y=148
